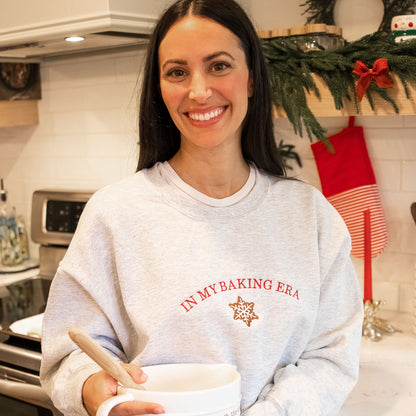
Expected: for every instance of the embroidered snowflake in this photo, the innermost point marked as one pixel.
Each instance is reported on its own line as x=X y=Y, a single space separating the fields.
x=244 y=311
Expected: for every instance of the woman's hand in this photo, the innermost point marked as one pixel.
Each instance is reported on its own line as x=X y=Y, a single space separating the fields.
x=101 y=386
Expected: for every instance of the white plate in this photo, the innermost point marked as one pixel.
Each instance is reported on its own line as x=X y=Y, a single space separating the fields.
x=31 y=326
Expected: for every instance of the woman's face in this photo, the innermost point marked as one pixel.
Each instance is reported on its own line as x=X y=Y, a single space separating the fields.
x=205 y=82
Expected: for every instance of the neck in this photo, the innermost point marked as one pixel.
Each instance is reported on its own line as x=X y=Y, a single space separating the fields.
x=214 y=175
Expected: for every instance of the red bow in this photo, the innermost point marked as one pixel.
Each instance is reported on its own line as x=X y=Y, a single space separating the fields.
x=379 y=73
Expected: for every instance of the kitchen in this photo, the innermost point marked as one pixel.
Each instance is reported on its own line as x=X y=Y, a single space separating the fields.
x=86 y=138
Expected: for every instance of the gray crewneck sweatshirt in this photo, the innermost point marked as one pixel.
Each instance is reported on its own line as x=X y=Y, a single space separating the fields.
x=160 y=273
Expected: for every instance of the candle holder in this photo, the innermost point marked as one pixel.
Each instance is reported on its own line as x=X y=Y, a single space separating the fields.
x=375 y=327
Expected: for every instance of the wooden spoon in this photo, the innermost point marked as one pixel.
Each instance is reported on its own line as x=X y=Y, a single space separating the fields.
x=103 y=358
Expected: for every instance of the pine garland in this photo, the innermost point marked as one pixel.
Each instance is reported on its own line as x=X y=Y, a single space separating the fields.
x=322 y=11
x=291 y=75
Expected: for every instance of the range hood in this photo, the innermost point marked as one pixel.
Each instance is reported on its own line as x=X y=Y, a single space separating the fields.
x=33 y=30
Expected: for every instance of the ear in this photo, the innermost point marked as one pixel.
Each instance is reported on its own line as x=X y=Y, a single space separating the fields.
x=250 y=85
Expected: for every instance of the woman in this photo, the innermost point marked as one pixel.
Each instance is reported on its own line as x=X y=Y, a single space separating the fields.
x=208 y=253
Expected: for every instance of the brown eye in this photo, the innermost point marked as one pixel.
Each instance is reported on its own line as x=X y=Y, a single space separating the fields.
x=220 y=66
x=176 y=74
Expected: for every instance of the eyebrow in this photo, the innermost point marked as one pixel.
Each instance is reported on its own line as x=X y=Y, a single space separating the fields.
x=208 y=58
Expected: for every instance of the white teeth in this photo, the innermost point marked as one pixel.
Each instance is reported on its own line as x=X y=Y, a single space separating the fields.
x=206 y=116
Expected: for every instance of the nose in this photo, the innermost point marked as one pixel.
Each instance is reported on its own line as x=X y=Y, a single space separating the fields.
x=199 y=89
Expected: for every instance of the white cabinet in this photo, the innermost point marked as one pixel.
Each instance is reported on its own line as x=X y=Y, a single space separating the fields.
x=36 y=29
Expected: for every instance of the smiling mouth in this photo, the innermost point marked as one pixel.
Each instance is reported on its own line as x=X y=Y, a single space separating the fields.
x=207 y=115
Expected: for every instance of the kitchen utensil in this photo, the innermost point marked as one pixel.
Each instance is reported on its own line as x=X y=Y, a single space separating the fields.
x=102 y=357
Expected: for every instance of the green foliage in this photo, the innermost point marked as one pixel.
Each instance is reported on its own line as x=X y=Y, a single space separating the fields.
x=288 y=154
x=291 y=75
x=322 y=11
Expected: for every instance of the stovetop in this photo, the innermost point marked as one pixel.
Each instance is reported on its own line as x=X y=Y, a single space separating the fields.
x=20 y=300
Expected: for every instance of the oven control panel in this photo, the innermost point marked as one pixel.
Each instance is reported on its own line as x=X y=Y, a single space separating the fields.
x=63 y=216
x=55 y=215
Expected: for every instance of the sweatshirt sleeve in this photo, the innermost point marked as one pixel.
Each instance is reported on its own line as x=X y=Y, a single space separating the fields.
x=324 y=375
x=83 y=293
x=64 y=368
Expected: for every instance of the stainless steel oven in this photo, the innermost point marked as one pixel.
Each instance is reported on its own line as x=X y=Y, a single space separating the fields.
x=55 y=215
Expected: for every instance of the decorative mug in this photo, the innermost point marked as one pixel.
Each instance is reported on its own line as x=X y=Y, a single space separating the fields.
x=403 y=27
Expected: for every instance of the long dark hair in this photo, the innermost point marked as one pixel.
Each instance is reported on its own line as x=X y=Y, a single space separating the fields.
x=159 y=137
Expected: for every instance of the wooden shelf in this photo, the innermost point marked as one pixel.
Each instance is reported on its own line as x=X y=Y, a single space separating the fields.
x=324 y=107
x=18 y=113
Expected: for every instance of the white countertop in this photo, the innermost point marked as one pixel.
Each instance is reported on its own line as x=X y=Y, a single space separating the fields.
x=387 y=381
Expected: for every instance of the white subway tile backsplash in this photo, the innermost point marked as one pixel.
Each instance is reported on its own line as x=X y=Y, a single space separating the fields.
x=82 y=72
x=6 y=165
x=394 y=232
x=406 y=297
x=33 y=167
x=11 y=147
x=105 y=169
x=393 y=267
x=396 y=205
x=46 y=123
x=67 y=145
x=390 y=144
x=65 y=99
x=73 y=122
x=129 y=68
x=408 y=238
x=388 y=174
x=110 y=145
x=388 y=294
x=75 y=168
x=108 y=96
x=105 y=121
x=409 y=176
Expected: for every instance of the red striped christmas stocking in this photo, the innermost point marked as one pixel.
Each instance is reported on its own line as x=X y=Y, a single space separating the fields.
x=348 y=182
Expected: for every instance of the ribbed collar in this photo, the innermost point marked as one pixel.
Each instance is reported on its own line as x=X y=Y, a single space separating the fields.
x=195 y=204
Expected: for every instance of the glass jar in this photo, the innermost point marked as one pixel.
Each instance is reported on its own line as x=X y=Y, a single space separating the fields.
x=301 y=40
x=335 y=36
x=318 y=35
x=23 y=238
x=10 y=250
